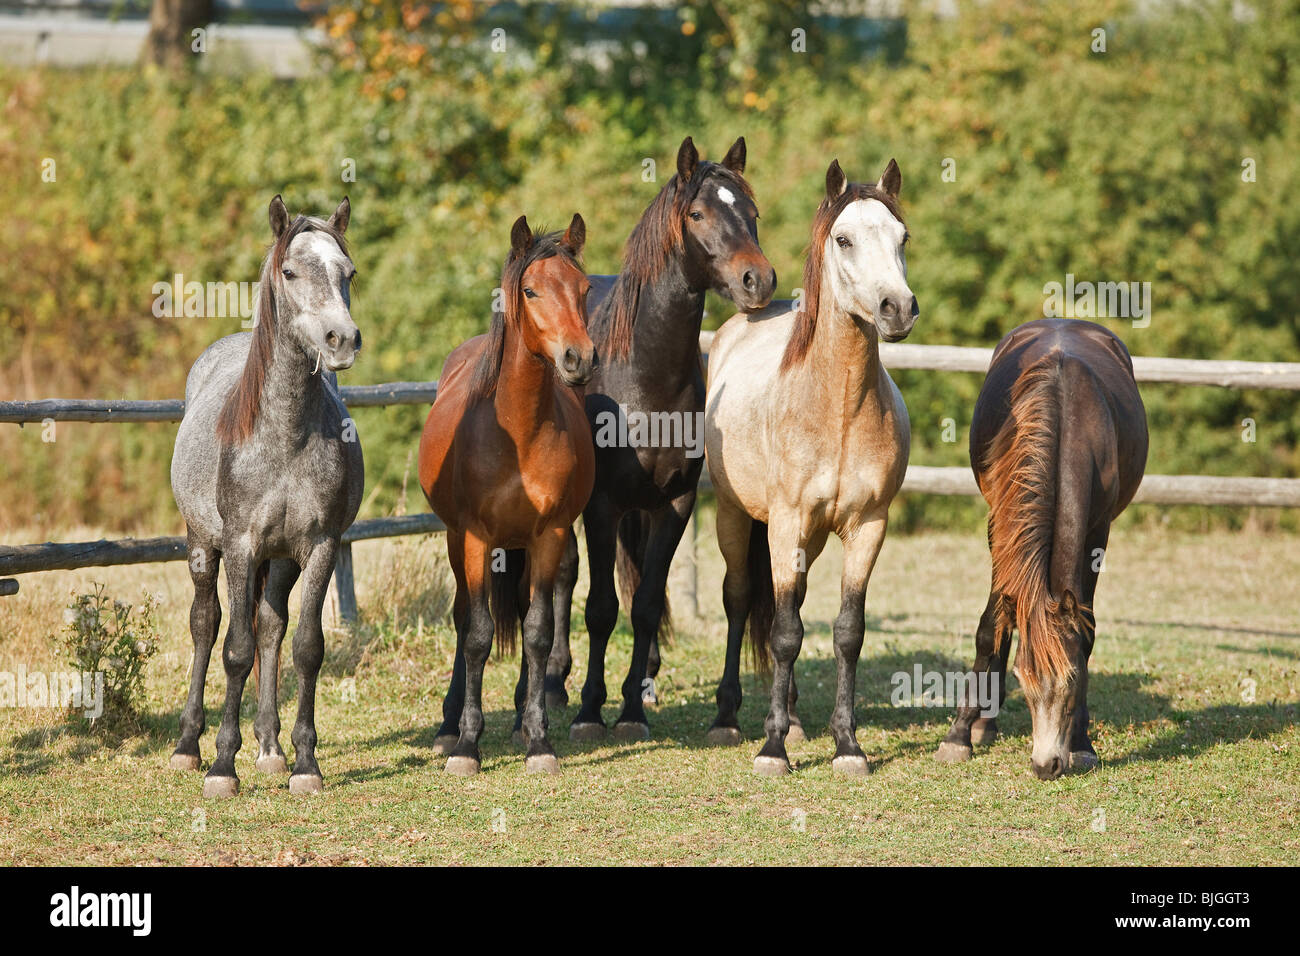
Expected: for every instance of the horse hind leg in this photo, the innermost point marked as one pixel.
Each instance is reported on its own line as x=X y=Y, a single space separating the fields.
x=205 y=622
x=600 y=522
x=560 y=662
x=453 y=703
x=465 y=759
x=539 y=633
x=734 y=528
x=272 y=622
x=969 y=727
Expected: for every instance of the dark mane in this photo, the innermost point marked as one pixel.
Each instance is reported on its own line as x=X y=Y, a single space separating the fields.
x=239 y=414
x=648 y=248
x=805 y=323
x=488 y=370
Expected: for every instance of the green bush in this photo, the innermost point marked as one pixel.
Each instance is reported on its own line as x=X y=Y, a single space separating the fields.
x=104 y=637
x=1122 y=165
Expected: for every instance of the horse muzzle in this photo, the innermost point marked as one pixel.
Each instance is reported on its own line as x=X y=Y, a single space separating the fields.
x=576 y=365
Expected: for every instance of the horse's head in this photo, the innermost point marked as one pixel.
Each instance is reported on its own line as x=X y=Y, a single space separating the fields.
x=1056 y=685
x=310 y=275
x=863 y=254
x=720 y=227
x=548 y=295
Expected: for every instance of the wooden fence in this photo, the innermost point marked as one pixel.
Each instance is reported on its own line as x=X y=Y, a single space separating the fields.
x=921 y=479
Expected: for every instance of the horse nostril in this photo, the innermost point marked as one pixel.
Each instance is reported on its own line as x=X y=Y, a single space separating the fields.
x=332 y=340
x=747 y=280
x=888 y=308
x=1055 y=768
x=356 y=340
x=571 y=359
x=916 y=309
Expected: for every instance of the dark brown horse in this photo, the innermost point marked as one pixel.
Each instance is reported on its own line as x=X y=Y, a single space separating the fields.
x=1058 y=444
x=506 y=461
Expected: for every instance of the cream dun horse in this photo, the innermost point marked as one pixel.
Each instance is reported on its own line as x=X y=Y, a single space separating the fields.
x=807 y=434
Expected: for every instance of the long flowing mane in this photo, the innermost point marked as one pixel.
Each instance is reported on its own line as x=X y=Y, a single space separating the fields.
x=1021 y=470
x=239 y=414
x=488 y=369
x=648 y=250
x=805 y=323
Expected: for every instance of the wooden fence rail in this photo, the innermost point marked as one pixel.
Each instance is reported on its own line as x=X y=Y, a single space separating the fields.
x=921 y=479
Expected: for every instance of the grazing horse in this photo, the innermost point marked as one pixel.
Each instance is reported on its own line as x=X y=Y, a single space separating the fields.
x=807 y=434
x=506 y=461
x=267 y=473
x=1058 y=444
x=645 y=404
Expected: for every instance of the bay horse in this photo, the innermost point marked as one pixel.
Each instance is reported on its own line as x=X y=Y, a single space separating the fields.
x=807 y=434
x=1058 y=444
x=267 y=473
x=506 y=461
x=699 y=233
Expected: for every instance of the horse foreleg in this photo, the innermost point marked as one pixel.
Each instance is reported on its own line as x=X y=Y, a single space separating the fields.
x=465 y=759
x=600 y=521
x=648 y=603
x=453 y=703
x=237 y=655
x=205 y=621
x=544 y=557
x=308 y=654
x=734 y=527
x=1082 y=755
x=860 y=551
x=272 y=622
x=561 y=660
x=790 y=561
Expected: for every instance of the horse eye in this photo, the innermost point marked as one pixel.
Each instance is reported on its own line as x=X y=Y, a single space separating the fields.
x=697 y=216
x=530 y=293
x=844 y=243
x=288 y=273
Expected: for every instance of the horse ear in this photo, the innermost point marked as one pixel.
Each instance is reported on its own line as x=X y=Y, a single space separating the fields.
x=575 y=237
x=688 y=157
x=341 y=215
x=521 y=237
x=279 y=217
x=735 y=158
x=836 y=181
x=891 y=180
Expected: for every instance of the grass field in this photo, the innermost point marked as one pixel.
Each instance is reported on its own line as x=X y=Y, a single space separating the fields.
x=1194 y=768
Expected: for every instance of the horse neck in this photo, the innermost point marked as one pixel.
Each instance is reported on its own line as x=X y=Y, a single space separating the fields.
x=844 y=360
x=525 y=396
x=666 y=330
x=292 y=393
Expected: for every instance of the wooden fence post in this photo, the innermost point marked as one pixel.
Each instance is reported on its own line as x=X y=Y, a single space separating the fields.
x=344 y=586
x=682 y=574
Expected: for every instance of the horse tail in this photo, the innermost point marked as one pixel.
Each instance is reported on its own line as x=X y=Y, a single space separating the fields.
x=259 y=588
x=1022 y=468
x=506 y=600
x=762 y=598
x=629 y=559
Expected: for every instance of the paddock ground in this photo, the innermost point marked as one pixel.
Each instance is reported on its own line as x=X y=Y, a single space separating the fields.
x=1195 y=769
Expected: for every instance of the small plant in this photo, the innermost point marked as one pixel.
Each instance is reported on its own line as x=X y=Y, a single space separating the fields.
x=110 y=637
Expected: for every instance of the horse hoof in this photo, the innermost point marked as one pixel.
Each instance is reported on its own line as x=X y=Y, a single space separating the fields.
x=723 y=736
x=271 y=763
x=306 y=783
x=983 y=734
x=220 y=788
x=950 y=752
x=462 y=766
x=851 y=765
x=556 y=700
x=518 y=739
x=1081 y=761
x=586 y=733
x=631 y=732
x=795 y=734
x=443 y=745
x=771 y=766
x=180 y=761
x=542 y=763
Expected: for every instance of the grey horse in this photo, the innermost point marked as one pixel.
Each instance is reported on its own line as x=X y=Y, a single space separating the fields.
x=267 y=473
